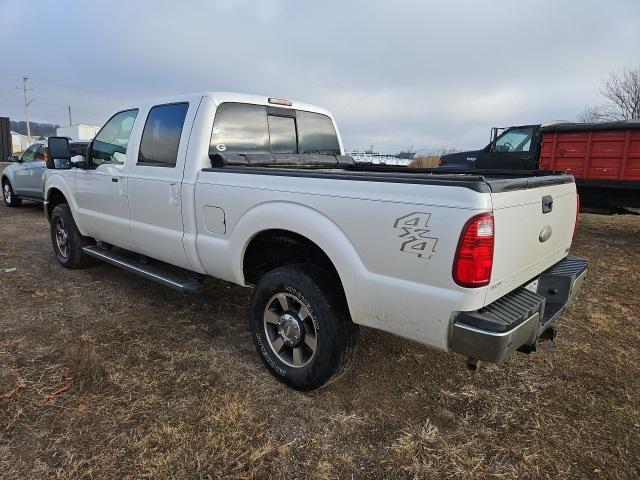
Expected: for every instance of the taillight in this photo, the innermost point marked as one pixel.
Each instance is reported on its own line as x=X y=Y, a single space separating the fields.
x=575 y=225
x=474 y=256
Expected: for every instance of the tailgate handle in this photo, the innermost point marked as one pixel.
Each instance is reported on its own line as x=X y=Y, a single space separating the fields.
x=547 y=203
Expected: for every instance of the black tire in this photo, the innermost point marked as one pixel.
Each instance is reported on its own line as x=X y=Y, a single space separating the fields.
x=70 y=255
x=326 y=320
x=10 y=199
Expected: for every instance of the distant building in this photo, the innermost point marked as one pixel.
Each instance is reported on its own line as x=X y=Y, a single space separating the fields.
x=19 y=142
x=78 y=132
x=406 y=155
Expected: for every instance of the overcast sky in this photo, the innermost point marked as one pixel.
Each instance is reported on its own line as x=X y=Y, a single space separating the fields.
x=394 y=73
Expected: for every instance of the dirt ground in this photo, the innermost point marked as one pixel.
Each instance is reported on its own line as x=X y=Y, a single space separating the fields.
x=105 y=375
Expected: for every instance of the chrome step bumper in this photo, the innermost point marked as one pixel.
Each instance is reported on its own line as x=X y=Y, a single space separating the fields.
x=517 y=320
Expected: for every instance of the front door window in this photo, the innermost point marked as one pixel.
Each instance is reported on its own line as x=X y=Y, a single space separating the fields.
x=110 y=144
x=30 y=154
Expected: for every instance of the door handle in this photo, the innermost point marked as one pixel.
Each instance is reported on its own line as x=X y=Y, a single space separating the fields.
x=122 y=186
x=174 y=192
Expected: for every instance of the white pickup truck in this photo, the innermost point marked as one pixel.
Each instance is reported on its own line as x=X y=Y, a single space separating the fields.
x=257 y=191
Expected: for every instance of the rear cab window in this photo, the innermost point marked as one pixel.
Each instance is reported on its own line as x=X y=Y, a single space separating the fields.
x=246 y=128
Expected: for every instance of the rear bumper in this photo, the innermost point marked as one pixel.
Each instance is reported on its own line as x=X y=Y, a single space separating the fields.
x=517 y=320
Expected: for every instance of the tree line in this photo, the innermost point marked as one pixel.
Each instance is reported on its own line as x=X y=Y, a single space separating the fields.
x=37 y=129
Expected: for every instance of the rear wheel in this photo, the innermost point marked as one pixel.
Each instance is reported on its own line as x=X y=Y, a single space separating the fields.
x=67 y=240
x=10 y=199
x=301 y=326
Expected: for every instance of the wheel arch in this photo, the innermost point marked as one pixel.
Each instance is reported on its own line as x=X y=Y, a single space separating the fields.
x=301 y=226
x=273 y=248
x=55 y=197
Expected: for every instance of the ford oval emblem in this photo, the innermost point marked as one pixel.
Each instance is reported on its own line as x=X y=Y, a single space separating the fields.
x=545 y=234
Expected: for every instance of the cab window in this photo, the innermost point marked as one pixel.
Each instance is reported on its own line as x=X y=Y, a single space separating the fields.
x=41 y=154
x=515 y=140
x=110 y=144
x=29 y=154
x=161 y=135
x=282 y=134
x=316 y=134
x=245 y=128
x=240 y=128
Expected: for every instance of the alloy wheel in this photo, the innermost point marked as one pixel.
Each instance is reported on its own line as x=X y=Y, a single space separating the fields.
x=6 y=190
x=290 y=330
x=62 y=238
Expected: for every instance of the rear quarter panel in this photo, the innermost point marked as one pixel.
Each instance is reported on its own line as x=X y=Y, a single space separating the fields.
x=392 y=244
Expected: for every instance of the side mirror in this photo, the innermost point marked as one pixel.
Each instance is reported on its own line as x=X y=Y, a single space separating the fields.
x=59 y=152
x=13 y=158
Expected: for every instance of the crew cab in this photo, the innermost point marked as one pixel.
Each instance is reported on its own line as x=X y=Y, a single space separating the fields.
x=257 y=191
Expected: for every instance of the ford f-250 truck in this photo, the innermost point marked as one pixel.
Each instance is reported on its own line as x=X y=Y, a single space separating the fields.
x=257 y=191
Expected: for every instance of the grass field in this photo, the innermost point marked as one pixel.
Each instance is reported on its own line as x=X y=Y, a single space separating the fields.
x=104 y=375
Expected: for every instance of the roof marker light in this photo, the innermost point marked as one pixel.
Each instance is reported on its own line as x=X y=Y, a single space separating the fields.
x=280 y=101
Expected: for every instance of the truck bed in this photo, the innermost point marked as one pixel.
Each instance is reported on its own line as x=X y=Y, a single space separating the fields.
x=483 y=181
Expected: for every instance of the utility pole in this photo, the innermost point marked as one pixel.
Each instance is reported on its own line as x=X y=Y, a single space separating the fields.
x=26 y=106
x=70 y=116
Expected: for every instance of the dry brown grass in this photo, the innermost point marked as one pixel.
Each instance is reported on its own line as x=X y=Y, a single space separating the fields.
x=427 y=161
x=166 y=386
x=84 y=364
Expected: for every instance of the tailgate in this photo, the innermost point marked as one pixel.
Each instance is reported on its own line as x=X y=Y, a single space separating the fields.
x=528 y=240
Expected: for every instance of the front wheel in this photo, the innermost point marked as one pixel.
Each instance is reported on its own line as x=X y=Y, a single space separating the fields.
x=301 y=326
x=67 y=240
x=10 y=199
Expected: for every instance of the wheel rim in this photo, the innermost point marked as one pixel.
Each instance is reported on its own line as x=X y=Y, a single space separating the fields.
x=62 y=238
x=290 y=330
x=7 y=192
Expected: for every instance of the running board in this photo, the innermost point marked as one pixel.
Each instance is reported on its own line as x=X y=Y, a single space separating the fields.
x=151 y=272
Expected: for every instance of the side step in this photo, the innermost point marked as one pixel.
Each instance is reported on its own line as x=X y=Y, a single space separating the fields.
x=151 y=272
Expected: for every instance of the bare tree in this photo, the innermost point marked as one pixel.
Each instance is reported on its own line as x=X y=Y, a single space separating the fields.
x=592 y=114
x=621 y=91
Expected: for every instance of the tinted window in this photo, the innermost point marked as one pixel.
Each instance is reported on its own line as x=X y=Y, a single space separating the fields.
x=161 y=135
x=316 y=134
x=110 y=145
x=240 y=128
x=244 y=128
x=282 y=134
x=30 y=154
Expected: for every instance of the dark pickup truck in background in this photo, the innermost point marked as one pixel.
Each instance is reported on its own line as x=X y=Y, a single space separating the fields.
x=604 y=158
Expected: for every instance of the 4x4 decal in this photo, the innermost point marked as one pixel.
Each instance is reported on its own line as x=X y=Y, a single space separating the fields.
x=415 y=234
